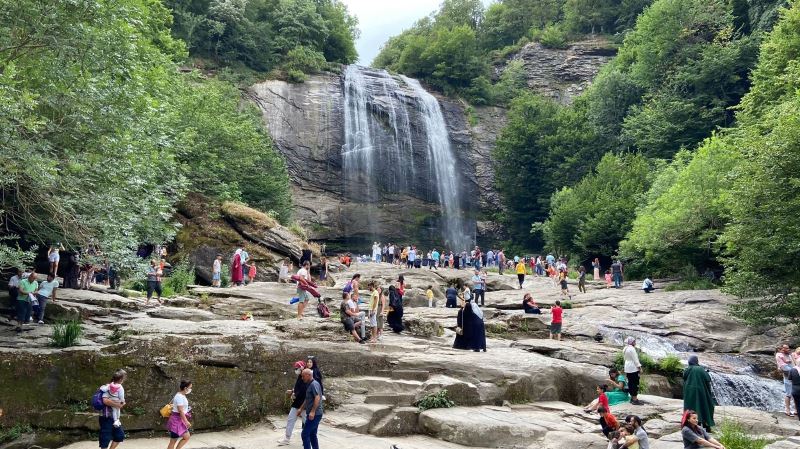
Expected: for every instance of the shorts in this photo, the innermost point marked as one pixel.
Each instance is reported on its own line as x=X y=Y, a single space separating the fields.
x=373 y=319
x=54 y=258
x=175 y=436
x=348 y=324
x=787 y=388
x=563 y=285
x=109 y=433
x=555 y=328
x=215 y=276
x=303 y=295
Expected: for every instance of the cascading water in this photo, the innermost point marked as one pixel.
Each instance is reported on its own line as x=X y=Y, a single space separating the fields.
x=381 y=138
x=442 y=161
x=741 y=388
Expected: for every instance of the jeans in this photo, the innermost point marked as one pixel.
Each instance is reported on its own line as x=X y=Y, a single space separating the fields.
x=309 y=434
x=617 y=280
x=291 y=420
x=23 y=311
x=109 y=433
x=153 y=286
x=479 y=293
x=39 y=310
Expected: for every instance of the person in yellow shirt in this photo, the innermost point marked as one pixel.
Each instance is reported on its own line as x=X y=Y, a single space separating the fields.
x=521 y=272
x=374 y=297
x=429 y=295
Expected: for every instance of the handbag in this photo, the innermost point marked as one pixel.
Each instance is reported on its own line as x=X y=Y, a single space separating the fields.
x=459 y=330
x=166 y=410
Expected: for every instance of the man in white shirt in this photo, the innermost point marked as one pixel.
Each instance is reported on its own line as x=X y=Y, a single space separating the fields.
x=13 y=285
x=304 y=296
x=633 y=369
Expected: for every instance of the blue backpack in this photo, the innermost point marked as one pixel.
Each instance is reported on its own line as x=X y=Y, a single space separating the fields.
x=97 y=400
x=348 y=288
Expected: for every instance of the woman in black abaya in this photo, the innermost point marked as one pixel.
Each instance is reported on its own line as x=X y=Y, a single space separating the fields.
x=471 y=332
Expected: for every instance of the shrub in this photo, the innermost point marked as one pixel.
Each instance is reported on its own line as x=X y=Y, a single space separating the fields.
x=732 y=435
x=552 y=36
x=225 y=276
x=435 y=400
x=13 y=433
x=178 y=281
x=66 y=333
x=305 y=60
x=670 y=365
x=295 y=76
x=691 y=284
x=566 y=304
x=298 y=230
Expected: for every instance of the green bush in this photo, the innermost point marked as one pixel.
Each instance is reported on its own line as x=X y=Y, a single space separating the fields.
x=298 y=230
x=225 y=276
x=552 y=36
x=66 y=333
x=305 y=60
x=670 y=365
x=295 y=76
x=180 y=278
x=435 y=400
x=733 y=435
x=13 y=433
x=691 y=284
x=566 y=304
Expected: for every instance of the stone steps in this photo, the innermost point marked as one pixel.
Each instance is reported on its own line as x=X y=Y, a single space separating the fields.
x=405 y=374
x=400 y=399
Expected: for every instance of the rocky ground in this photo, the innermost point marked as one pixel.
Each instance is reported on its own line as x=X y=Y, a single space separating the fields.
x=525 y=392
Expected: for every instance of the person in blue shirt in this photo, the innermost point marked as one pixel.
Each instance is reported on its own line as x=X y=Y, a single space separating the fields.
x=435 y=257
x=478 y=286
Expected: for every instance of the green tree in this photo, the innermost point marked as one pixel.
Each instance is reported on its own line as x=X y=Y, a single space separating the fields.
x=592 y=217
x=761 y=237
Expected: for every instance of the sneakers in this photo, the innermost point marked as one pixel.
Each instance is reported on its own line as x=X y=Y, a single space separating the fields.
x=283 y=442
x=41 y=322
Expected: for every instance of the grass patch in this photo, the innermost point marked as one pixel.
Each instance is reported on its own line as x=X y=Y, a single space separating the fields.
x=435 y=400
x=180 y=278
x=671 y=366
x=732 y=435
x=691 y=284
x=66 y=333
x=298 y=230
x=248 y=215
x=12 y=433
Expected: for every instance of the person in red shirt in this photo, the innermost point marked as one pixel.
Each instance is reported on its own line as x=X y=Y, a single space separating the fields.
x=601 y=401
x=555 y=324
x=608 y=423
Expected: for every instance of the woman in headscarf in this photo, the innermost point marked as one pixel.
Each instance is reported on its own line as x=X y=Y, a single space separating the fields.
x=471 y=332
x=697 y=392
x=395 y=316
x=313 y=365
x=237 y=276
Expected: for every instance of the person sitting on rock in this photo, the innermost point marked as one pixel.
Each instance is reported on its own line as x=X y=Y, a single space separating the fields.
x=352 y=317
x=608 y=423
x=647 y=285
x=600 y=402
x=627 y=439
x=642 y=439
x=530 y=305
x=619 y=384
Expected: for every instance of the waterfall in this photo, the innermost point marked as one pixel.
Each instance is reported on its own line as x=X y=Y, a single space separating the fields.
x=443 y=162
x=747 y=390
x=743 y=388
x=387 y=120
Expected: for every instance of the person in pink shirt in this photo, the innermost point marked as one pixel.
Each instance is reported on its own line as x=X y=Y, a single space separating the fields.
x=783 y=358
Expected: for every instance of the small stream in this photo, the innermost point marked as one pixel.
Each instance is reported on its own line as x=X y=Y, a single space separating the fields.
x=737 y=385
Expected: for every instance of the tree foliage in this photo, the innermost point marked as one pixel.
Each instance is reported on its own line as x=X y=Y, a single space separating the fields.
x=591 y=217
x=100 y=135
x=259 y=34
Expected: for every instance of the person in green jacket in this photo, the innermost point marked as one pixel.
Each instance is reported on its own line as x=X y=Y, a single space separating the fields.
x=697 y=394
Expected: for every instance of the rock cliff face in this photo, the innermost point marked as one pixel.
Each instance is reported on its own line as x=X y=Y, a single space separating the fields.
x=563 y=74
x=360 y=148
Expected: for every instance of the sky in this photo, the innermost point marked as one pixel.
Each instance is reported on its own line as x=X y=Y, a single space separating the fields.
x=379 y=20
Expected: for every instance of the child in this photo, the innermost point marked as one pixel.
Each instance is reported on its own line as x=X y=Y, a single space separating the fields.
x=626 y=436
x=557 y=320
x=564 y=287
x=608 y=423
x=608 y=278
x=383 y=310
x=116 y=393
x=601 y=401
x=216 y=276
x=283 y=274
x=373 y=311
x=429 y=295
x=251 y=273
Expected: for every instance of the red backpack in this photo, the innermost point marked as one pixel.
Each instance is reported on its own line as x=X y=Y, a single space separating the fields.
x=323 y=310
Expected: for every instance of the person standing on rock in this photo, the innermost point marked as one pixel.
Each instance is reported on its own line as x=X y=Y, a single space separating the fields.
x=298 y=395
x=27 y=294
x=154 y=282
x=216 y=271
x=582 y=279
x=412 y=257
x=470 y=329
x=697 y=393
x=305 y=297
x=501 y=261
x=783 y=358
x=46 y=293
x=313 y=406
x=521 y=271
x=616 y=272
x=633 y=369
x=435 y=257
x=109 y=433
x=596 y=269
x=390 y=252
x=237 y=275
x=245 y=256
x=376 y=252
x=305 y=254
x=452 y=297
x=479 y=286
x=557 y=320
x=178 y=423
